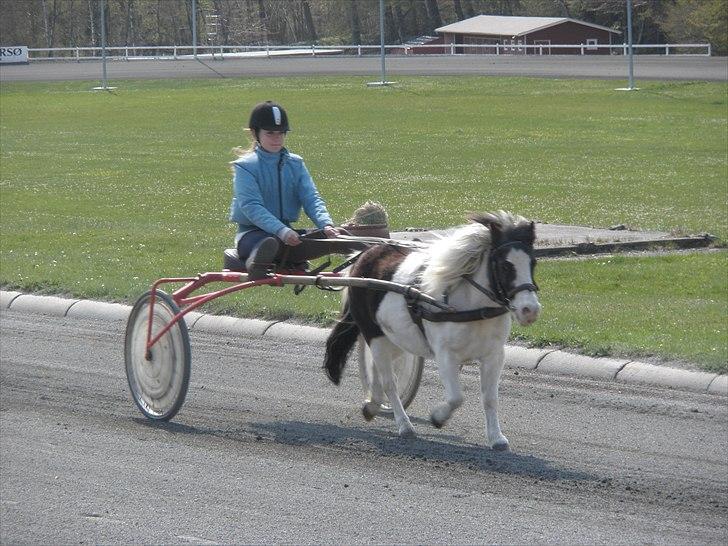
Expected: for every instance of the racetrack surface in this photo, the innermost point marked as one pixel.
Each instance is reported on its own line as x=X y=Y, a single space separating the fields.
x=675 y=67
x=266 y=450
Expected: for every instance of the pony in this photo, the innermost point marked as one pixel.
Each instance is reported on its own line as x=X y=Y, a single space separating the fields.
x=483 y=271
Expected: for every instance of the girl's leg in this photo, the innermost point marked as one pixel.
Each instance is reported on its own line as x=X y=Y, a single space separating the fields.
x=259 y=250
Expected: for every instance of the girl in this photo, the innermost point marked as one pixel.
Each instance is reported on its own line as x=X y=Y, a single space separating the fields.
x=270 y=187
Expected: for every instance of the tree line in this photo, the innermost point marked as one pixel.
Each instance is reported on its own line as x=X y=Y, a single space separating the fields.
x=139 y=23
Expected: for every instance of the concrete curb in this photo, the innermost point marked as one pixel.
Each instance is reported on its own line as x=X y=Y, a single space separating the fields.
x=559 y=362
x=548 y=361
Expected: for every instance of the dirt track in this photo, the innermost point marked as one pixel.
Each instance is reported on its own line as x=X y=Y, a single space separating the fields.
x=265 y=450
x=675 y=67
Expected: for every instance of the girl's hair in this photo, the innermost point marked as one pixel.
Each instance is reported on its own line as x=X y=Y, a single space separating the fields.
x=240 y=151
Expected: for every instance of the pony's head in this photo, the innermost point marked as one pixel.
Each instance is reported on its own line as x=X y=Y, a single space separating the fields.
x=511 y=263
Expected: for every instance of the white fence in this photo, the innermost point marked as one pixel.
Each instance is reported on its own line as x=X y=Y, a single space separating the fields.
x=221 y=52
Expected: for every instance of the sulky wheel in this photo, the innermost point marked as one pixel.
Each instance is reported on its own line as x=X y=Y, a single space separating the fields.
x=158 y=381
x=407 y=369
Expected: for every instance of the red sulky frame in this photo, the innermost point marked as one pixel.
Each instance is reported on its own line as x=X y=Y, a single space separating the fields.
x=186 y=302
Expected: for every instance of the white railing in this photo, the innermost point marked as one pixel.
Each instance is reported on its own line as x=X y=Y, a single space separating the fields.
x=221 y=52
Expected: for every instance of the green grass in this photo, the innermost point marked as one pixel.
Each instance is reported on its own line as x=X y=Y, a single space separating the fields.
x=101 y=193
x=637 y=307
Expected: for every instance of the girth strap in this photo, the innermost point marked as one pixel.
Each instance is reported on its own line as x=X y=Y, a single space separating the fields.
x=418 y=314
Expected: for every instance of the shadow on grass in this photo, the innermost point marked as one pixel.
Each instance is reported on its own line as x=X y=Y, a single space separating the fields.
x=434 y=448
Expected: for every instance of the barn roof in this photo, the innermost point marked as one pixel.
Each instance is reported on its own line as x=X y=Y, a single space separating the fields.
x=503 y=25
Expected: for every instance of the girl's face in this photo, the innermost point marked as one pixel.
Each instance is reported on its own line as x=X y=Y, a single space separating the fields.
x=271 y=141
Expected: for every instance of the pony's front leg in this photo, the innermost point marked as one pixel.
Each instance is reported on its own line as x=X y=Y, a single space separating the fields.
x=490 y=371
x=384 y=352
x=448 y=368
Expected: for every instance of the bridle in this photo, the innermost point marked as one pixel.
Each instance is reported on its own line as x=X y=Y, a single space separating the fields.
x=500 y=294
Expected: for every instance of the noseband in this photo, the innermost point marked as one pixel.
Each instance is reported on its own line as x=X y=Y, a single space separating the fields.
x=500 y=294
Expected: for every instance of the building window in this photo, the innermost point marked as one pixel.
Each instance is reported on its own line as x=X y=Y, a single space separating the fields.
x=591 y=43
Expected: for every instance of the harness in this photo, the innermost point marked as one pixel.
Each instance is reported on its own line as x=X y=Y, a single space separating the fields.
x=499 y=294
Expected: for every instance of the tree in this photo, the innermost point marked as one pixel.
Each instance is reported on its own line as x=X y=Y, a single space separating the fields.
x=310 y=27
x=689 y=21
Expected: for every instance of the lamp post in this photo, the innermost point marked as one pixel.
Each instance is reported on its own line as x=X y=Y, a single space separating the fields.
x=381 y=48
x=104 y=86
x=194 y=28
x=630 y=51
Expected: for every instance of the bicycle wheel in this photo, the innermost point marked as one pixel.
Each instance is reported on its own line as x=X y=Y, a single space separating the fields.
x=159 y=384
x=407 y=369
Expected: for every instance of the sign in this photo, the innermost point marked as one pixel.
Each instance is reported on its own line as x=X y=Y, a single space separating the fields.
x=13 y=54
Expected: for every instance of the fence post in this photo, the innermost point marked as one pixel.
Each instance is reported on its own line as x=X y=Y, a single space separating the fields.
x=78 y=55
x=667 y=49
x=313 y=50
x=582 y=49
x=452 y=48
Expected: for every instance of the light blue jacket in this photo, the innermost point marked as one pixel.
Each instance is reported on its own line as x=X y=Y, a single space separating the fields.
x=269 y=191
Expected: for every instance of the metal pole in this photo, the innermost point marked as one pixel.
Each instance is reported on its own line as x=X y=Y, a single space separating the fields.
x=194 y=28
x=629 y=41
x=104 y=86
x=381 y=38
x=103 y=42
x=381 y=47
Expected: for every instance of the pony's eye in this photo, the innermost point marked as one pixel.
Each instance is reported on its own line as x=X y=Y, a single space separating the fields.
x=506 y=267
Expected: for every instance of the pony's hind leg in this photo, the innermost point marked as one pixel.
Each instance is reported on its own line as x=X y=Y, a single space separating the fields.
x=384 y=352
x=448 y=368
x=375 y=395
x=490 y=371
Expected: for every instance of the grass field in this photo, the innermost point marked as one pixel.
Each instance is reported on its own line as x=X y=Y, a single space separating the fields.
x=104 y=192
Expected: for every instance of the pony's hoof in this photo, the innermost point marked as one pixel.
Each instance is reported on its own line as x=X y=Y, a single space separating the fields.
x=501 y=446
x=407 y=433
x=370 y=410
x=437 y=418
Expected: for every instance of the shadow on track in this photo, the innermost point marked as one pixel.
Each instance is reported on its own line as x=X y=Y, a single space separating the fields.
x=434 y=448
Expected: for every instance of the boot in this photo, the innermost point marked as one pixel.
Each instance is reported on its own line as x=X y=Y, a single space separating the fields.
x=260 y=261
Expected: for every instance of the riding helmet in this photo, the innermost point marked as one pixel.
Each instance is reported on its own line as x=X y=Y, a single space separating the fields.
x=269 y=116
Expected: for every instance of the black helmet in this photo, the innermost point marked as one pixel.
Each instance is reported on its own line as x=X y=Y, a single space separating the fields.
x=269 y=116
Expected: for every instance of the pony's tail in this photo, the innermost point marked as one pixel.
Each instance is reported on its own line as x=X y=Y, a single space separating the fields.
x=339 y=344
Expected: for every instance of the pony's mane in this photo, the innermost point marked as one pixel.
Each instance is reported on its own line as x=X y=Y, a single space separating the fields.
x=462 y=252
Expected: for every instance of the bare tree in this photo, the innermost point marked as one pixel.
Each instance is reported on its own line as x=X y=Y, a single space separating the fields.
x=433 y=13
x=458 y=10
x=355 y=23
x=310 y=27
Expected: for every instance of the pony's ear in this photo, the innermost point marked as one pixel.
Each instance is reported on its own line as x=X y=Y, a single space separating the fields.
x=491 y=221
x=485 y=218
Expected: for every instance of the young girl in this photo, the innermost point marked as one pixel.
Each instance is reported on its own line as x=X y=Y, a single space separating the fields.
x=270 y=187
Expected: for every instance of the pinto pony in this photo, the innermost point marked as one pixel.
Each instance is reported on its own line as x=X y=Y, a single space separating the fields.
x=483 y=271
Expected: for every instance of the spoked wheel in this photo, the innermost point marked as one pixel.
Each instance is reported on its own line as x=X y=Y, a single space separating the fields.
x=158 y=381
x=407 y=369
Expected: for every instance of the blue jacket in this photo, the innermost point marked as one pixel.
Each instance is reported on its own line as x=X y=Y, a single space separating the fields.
x=269 y=191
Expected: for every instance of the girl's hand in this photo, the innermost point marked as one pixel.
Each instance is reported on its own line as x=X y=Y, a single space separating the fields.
x=291 y=238
x=331 y=232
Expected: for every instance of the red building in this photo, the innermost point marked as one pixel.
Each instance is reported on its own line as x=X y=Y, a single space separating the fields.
x=495 y=34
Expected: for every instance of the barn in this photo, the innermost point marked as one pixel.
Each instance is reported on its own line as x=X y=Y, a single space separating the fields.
x=510 y=34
